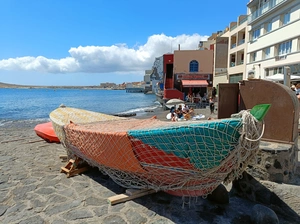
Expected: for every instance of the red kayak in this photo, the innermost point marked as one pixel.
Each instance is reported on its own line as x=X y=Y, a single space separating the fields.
x=46 y=131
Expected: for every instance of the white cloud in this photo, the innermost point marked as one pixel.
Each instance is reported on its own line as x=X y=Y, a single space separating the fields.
x=105 y=59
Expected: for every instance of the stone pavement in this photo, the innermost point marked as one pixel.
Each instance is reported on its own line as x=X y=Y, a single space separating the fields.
x=33 y=190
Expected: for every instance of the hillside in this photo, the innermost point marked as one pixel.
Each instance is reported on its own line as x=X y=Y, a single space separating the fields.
x=7 y=85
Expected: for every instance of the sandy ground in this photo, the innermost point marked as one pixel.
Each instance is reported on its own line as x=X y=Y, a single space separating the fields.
x=33 y=190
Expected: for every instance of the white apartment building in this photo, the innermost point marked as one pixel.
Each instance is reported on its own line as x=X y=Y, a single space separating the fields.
x=230 y=47
x=237 y=49
x=220 y=46
x=274 y=38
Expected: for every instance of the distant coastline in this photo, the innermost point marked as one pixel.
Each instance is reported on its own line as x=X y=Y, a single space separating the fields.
x=7 y=85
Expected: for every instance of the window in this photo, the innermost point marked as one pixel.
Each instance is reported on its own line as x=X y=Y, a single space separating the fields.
x=255 y=34
x=268 y=27
x=285 y=48
x=266 y=72
x=253 y=56
x=278 y=70
x=285 y=19
x=194 y=66
x=267 y=52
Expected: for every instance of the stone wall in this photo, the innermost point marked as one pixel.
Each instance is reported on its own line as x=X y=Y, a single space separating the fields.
x=275 y=162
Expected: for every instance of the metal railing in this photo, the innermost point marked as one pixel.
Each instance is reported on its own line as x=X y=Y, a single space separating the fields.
x=242 y=41
x=264 y=9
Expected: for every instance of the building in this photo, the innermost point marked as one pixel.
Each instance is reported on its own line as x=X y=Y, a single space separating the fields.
x=147 y=80
x=230 y=49
x=274 y=38
x=237 y=49
x=192 y=72
x=220 y=61
x=157 y=75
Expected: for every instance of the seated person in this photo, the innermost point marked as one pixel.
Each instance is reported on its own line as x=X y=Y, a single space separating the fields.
x=187 y=99
x=185 y=109
x=179 y=113
x=187 y=116
x=192 y=112
x=172 y=109
x=173 y=116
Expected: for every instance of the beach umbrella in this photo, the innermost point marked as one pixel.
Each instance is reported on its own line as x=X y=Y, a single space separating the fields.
x=174 y=102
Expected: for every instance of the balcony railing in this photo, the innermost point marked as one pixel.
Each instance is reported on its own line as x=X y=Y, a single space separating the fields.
x=264 y=9
x=242 y=41
x=233 y=45
x=233 y=27
x=243 y=20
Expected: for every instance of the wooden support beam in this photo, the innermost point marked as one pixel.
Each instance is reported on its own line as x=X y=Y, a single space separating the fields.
x=129 y=195
x=34 y=141
x=14 y=140
x=64 y=158
x=74 y=167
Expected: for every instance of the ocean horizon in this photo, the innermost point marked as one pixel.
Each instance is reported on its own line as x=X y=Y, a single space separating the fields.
x=27 y=105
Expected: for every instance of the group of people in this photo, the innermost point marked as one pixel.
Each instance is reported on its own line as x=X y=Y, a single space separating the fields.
x=196 y=98
x=296 y=88
x=181 y=112
x=202 y=100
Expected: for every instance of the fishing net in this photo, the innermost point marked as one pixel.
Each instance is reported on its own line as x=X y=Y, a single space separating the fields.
x=64 y=115
x=181 y=158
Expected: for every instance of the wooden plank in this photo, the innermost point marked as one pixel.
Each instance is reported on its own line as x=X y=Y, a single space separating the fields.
x=64 y=169
x=126 y=197
x=71 y=168
x=40 y=140
x=77 y=171
x=14 y=140
x=64 y=157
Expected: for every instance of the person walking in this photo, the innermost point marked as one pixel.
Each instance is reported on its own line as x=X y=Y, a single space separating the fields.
x=211 y=105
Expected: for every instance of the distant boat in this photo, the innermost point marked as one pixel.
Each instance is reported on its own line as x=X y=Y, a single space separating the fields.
x=46 y=132
x=180 y=158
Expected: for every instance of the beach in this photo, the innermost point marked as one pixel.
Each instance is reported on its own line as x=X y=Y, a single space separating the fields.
x=33 y=190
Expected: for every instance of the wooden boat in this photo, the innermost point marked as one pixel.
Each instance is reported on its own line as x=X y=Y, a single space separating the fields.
x=46 y=131
x=181 y=158
x=64 y=115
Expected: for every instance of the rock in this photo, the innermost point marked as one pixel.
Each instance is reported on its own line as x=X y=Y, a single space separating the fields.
x=219 y=195
x=263 y=215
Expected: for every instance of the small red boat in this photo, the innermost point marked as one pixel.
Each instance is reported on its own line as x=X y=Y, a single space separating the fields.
x=46 y=131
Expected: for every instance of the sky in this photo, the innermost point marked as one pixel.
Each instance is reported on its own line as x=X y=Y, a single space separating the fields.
x=88 y=42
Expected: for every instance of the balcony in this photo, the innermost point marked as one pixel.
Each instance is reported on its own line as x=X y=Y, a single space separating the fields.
x=233 y=27
x=233 y=45
x=242 y=41
x=268 y=6
x=243 y=20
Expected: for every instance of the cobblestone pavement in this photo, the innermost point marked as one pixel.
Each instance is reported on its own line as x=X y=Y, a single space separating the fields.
x=33 y=190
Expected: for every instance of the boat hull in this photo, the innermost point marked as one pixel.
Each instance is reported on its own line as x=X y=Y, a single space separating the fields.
x=46 y=132
x=186 y=159
x=65 y=115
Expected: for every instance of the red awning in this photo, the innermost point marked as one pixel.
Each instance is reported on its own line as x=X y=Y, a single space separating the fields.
x=194 y=83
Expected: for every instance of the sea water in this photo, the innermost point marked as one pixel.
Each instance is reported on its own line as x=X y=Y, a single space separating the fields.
x=28 y=105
